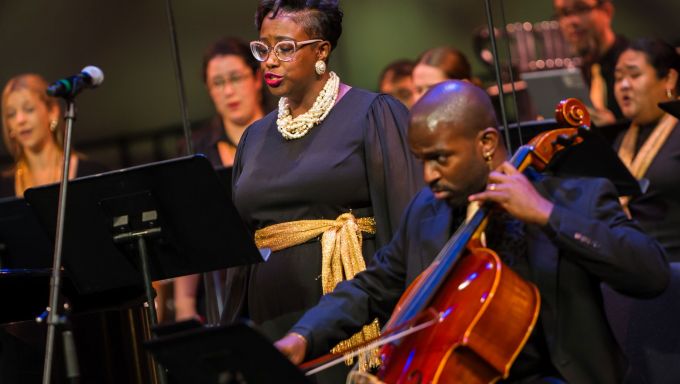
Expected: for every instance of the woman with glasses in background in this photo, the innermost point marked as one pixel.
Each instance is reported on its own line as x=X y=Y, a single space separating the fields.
x=330 y=167
x=234 y=81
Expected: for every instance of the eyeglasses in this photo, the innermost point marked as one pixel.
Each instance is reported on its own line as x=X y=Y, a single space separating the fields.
x=284 y=50
x=579 y=9
x=234 y=79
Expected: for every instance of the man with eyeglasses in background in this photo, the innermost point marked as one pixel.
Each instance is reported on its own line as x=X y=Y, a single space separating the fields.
x=586 y=26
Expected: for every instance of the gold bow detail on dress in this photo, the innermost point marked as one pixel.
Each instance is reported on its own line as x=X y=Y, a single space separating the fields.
x=341 y=259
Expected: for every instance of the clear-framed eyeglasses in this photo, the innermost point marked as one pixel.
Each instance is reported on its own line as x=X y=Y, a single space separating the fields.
x=284 y=50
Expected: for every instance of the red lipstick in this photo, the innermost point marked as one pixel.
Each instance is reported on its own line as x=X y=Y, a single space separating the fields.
x=272 y=79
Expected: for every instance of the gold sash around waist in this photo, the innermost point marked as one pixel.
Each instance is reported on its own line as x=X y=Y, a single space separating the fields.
x=341 y=259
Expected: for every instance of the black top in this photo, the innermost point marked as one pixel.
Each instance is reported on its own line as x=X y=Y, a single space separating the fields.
x=205 y=140
x=85 y=167
x=356 y=160
x=607 y=67
x=658 y=209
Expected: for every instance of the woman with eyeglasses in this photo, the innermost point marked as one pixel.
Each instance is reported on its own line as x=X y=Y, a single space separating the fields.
x=323 y=180
x=33 y=133
x=234 y=81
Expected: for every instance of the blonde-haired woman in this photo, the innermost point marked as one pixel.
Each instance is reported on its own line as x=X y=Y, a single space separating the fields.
x=32 y=131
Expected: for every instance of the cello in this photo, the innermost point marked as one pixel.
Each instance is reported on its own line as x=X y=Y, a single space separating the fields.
x=467 y=316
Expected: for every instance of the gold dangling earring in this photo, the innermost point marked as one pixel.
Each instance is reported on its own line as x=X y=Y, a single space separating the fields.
x=669 y=93
x=488 y=157
x=320 y=67
x=53 y=125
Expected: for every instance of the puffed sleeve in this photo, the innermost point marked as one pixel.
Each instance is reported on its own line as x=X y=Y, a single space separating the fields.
x=394 y=176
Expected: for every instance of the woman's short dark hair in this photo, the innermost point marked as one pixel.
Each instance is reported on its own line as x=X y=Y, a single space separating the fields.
x=660 y=55
x=229 y=46
x=320 y=18
x=451 y=61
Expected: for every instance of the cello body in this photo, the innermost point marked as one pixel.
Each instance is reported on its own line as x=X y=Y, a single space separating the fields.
x=487 y=314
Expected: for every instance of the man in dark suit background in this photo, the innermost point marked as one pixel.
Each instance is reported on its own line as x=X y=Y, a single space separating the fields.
x=564 y=235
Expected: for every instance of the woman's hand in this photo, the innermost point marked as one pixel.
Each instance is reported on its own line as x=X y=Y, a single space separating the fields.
x=512 y=191
x=294 y=346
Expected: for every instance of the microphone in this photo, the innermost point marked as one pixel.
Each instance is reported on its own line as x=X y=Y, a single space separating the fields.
x=89 y=77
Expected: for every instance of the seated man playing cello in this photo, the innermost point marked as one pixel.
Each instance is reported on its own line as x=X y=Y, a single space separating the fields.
x=566 y=236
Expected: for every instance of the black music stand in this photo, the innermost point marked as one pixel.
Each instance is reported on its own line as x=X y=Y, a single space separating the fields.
x=594 y=157
x=225 y=354
x=25 y=261
x=672 y=107
x=175 y=213
x=23 y=241
x=25 y=266
x=224 y=174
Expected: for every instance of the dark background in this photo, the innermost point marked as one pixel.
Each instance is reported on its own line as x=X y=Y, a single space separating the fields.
x=134 y=116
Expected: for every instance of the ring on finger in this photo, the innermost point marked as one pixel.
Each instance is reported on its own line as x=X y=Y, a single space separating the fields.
x=491 y=187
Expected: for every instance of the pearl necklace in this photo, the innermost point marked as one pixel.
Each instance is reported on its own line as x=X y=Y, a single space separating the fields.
x=294 y=128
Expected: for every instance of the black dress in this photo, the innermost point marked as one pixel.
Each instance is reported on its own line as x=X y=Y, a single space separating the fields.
x=356 y=160
x=207 y=138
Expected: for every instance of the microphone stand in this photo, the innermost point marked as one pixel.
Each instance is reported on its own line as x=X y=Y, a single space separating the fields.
x=211 y=282
x=53 y=317
x=497 y=67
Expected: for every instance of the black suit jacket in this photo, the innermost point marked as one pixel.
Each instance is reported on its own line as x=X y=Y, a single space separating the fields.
x=588 y=240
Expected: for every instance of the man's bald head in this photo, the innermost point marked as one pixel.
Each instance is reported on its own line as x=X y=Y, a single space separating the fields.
x=453 y=131
x=457 y=104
